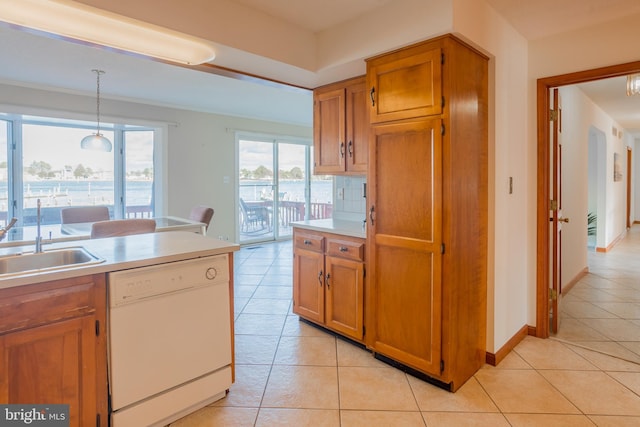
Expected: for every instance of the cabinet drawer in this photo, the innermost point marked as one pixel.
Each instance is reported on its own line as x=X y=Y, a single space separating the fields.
x=45 y=304
x=310 y=242
x=345 y=249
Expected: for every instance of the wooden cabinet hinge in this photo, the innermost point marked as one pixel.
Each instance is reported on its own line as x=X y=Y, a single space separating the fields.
x=97 y=328
x=97 y=420
x=364 y=330
x=553 y=294
x=442 y=249
x=441 y=366
x=442 y=130
x=442 y=58
x=553 y=115
x=442 y=101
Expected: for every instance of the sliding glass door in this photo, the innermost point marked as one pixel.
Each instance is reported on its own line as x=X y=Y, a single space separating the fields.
x=274 y=187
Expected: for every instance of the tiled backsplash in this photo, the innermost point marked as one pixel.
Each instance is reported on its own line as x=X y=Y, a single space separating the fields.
x=352 y=206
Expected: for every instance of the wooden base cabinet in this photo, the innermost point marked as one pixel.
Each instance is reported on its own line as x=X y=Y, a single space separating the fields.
x=53 y=347
x=328 y=281
x=427 y=201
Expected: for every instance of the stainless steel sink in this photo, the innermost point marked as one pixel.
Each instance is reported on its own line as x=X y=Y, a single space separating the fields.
x=53 y=259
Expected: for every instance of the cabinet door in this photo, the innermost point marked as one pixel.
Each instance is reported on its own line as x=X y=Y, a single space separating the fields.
x=405 y=238
x=308 y=284
x=405 y=87
x=357 y=122
x=53 y=363
x=344 y=292
x=329 y=145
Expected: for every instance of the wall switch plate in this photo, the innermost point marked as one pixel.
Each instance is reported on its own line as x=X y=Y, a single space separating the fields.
x=341 y=193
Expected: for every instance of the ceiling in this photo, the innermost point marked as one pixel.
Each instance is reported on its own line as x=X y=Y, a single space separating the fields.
x=42 y=62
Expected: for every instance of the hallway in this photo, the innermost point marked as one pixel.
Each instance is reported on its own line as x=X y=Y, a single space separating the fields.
x=602 y=310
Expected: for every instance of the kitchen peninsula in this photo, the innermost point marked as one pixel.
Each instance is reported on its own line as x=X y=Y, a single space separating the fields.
x=54 y=326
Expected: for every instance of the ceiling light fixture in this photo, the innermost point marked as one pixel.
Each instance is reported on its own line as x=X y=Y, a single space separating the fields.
x=78 y=21
x=96 y=141
x=633 y=84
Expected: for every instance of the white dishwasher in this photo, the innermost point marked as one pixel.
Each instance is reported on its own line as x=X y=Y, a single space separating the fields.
x=169 y=340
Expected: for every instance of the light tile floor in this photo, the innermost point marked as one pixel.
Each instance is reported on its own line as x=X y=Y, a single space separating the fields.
x=602 y=310
x=291 y=374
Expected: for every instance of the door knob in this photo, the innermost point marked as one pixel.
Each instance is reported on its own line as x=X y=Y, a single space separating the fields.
x=563 y=219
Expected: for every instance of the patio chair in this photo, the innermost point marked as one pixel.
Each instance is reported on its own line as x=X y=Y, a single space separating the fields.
x=254 y=218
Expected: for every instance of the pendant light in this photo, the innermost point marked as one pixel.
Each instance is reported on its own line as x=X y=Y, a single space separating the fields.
x=96 y=141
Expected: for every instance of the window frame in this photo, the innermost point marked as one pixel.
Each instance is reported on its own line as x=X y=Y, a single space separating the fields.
x=15 y=168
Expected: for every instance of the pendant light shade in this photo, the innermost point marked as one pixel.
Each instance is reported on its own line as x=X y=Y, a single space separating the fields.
x=96 y=141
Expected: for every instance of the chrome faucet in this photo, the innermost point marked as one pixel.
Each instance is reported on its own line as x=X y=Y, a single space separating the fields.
x=3 y=231
x=38 y=235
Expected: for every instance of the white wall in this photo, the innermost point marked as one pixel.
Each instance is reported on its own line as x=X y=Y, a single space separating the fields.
x=200 y=147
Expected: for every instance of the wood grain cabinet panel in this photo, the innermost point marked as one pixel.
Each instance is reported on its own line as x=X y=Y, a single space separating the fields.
x=341 y=125
x=427 y=198
x=53 y=347
x=328 y=284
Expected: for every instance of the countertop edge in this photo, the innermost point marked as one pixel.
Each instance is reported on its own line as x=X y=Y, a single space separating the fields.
x=342 y=227
x=123 y=253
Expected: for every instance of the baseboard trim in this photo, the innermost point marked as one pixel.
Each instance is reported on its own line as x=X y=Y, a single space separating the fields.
x=566 y=288
x=612 y=244
x=494 y=359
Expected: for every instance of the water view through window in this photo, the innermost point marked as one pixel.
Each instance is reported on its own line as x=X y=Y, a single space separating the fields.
x=48 y=164
x=276 y=187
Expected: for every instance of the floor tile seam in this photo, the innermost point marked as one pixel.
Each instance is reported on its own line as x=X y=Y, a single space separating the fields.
x=537 y=371
x=521 y=356
x=413 y=392
x=608 y=373
x=486 y=392
x=571 y=347
x=271 y=365
x=560 y=391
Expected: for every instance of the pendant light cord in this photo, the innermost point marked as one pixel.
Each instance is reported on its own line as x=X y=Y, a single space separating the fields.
x=98 y=72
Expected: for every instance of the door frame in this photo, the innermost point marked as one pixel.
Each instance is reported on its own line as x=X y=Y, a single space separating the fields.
x=543 y=176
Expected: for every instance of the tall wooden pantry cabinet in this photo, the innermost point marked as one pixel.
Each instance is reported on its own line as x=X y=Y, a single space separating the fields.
x=427 y=209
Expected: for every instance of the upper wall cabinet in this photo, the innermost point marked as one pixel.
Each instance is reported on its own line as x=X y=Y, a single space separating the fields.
x=405 y=85
x=341 y=128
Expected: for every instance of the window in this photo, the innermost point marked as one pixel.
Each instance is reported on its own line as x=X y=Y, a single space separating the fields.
x=41 y=158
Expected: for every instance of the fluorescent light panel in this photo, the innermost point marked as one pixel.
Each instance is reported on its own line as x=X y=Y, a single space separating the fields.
x=79 y=21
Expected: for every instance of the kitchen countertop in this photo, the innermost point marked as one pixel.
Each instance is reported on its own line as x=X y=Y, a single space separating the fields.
x=336 y=226
x=121 y=253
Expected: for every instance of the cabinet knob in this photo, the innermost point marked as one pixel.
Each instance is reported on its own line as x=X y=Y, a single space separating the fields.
x=307 y=242
x=350 y=149
x=343 y=249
